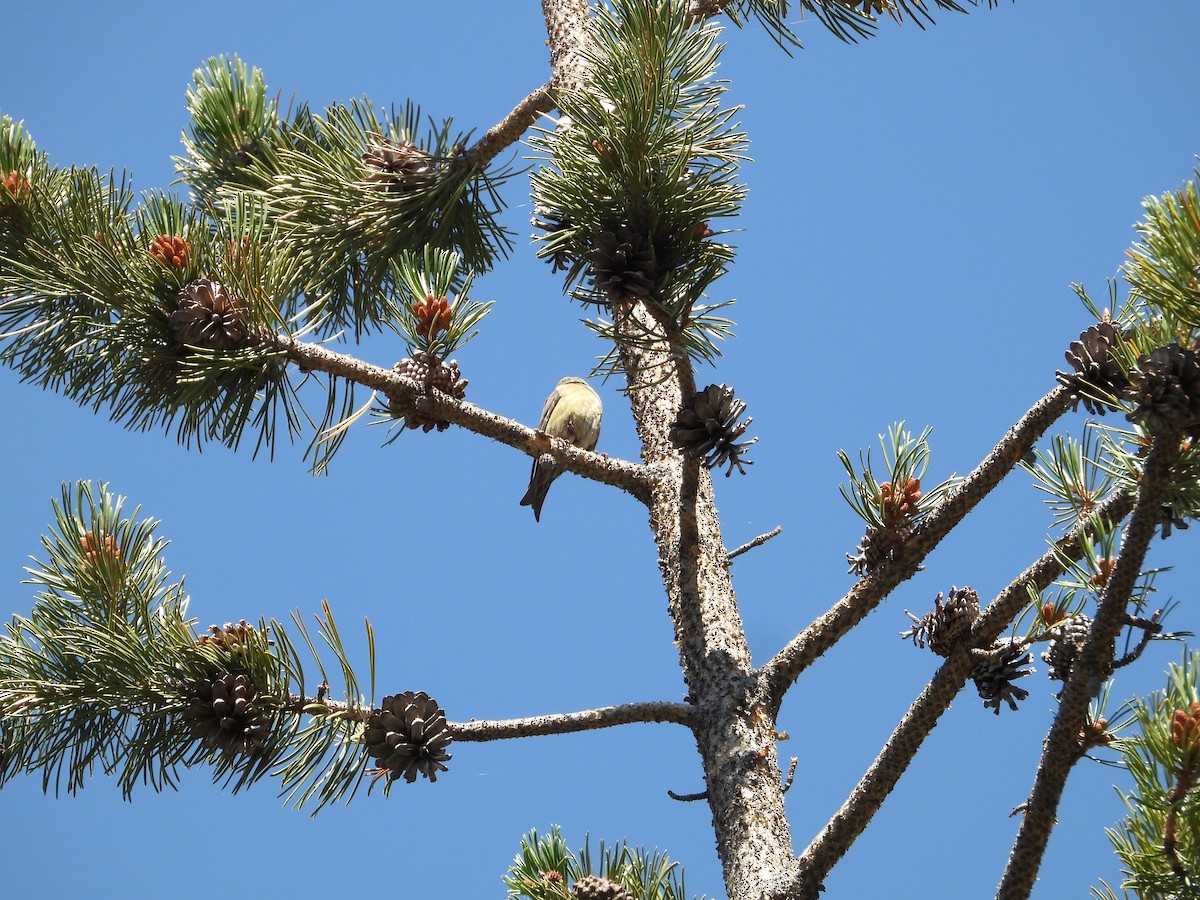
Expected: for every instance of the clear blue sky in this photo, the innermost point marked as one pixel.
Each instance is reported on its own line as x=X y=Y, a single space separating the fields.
x=918 y=206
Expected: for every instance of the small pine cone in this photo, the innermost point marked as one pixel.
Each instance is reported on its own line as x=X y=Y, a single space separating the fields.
x=396 y=166
x=900 y=506
x=95 y=546
x=945 y=626
x=1092 y=358
x=15 y=184
x=622 y=265
x=1185 y=729
x=233 y=637
x=171 y=251
x=707 y=428
x=222 y=713
x=994 y=675
x=208 y=317
x=1165 y=389
x=433 y=316
x=1068 y=639
x=408 y=735
x=428 y=369
x=878 y=546
x=595 y=887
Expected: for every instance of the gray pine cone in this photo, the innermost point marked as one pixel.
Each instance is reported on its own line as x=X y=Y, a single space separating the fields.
x=622 y=264
x=945 y=626
x=396 y=167
x=223 y=713
x=408 y=735
x=707 y=429
x=1091 y=357
x=1165 y=390
x=1068 y=640
x=208 y=317
x=432 y=371
x=994 y=675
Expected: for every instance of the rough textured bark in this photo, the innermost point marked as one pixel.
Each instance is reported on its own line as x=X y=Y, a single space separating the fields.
x=734 y=736
x=1091 y=667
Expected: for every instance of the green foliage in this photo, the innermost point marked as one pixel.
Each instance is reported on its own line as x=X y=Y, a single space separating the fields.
x=98 y=675
x=1164 y=266
x=905 y=459
x=342 y=217
x=850 y=20
x=1158 y=842
x=645 y=156
x=1073 y=476
x=1123 y=455
x=435 y=274
x=233 y=124
x=546 y=868
x=86 y=305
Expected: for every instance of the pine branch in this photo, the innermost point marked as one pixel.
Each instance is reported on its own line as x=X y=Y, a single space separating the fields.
x=784 y=668
x=1089 y=669
x=848 y=823
x=508 y=130
x=407 y=393
x=568 y=723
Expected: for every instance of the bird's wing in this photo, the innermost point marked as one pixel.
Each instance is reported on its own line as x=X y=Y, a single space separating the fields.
x=548 y=410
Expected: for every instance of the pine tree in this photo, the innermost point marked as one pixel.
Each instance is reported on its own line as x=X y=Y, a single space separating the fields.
x=215 y=317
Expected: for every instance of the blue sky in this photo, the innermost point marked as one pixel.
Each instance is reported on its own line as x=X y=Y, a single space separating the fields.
x=919 y=205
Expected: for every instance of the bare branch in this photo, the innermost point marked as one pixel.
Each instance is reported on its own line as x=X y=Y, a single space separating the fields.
x=1090 y=668
x=757 y=542
x=566 y=723
x=785 y=667
x=791 y=775
x=508 y=130
x=687 y=798
x=1150 y=627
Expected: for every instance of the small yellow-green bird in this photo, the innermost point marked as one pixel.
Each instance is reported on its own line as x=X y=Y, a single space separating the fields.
x=572 y=412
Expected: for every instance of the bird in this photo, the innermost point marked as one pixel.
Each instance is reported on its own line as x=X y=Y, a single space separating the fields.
x=572 y=412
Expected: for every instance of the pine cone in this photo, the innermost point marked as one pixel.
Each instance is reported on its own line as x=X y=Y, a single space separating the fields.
x=878 y=546
x=707 y=428
x=427 y=368
x=233 y=638
x=1092 y=358
x=94 y=546
x=622 y=265
x=994 y=675
x=433 y=316
x=397 y=167
x=1068 y=639
x=15 y=184
x=1185 y=730
x=595 y=887
x=208 y=317
x=900 y=506
x=171 y=251
x=408 y=735
x=945 y=626
x=223 y=714
x=1165 y=389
